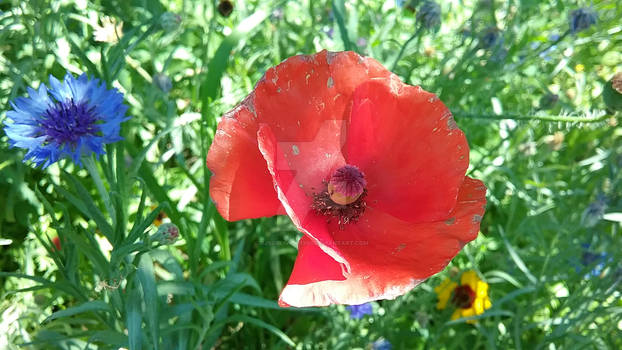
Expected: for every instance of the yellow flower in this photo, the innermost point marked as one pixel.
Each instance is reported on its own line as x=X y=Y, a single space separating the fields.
x=579 y=68
x=470 y=297
x=444 y=291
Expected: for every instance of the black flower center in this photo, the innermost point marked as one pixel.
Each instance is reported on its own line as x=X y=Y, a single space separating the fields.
x=66 y=122
x=463 y=297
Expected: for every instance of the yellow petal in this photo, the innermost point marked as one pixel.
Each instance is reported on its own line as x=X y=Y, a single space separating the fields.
x=445 y=285
x=482 y=289
x=470 y=279
x=444 y=291
x=442 y=301
x=478 y=306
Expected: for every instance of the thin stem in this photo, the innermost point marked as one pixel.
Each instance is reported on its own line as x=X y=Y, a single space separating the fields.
x=544 y=118
x=90 y=166
x=403 y=49
x=561 y=37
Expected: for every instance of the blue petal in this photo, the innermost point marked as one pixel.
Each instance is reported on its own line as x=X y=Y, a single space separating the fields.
x=60 y=91
x=21 y=130
x=78 y=87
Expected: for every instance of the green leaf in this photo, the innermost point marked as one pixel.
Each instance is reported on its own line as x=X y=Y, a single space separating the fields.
x=109 y=337
x=150 y=296
x=339 y=11
x=94 y=306
x=254 y=301
x=218 y=64
x=138 y=160
x=517 y=259
x=86 y=205
x=133 y=319
x=262 y=324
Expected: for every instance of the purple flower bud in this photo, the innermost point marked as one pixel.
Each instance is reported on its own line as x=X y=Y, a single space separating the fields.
x=581 y=19
x=429 y=15
x=163 y=82
x=167 y=233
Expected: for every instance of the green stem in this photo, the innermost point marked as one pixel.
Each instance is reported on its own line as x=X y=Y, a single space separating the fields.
x=90 y=166
x=544 y=118
x=403 y=49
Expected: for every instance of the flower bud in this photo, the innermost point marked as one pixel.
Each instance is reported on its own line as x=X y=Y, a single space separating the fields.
x=581 y=19
x=594 y=212
x=225 y=8
x=170 y=21
x=167 y=233
x=490 y=38
x=612 y=93
x=163 y=82
x=548 y=101
x=429 y=15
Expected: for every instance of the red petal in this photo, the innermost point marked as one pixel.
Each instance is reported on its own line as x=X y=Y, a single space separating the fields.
x=388 y=256
x=240 y=185
x=292 y=195
x=56 y=241
x=408 y=146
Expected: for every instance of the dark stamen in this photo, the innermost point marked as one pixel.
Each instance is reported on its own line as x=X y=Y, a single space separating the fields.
x=66 y=122
x=345 y=214
x=463 y=297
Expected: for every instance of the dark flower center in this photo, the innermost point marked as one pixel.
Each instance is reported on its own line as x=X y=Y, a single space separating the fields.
x=66 y=122
x=463 y=297
x=344 y=197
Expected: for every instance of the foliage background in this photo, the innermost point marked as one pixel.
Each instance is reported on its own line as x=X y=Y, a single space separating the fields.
x=552 y=170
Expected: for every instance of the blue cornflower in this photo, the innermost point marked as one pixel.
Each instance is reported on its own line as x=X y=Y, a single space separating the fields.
x=581 y=19
x=594 y=211
x=74 y=118
x=163 y=82
x=429 y=14
x=358 y=311
x=490 y=37
x=590 y=258
x=381 y=344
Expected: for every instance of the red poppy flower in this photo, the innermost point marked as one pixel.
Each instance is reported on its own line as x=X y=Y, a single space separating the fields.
x=369 y=169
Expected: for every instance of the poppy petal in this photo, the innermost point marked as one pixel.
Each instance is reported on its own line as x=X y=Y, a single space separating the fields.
x=240 y=186
x=387 y=257
x=292 y=195
x=407 y=144
x=312 y=265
